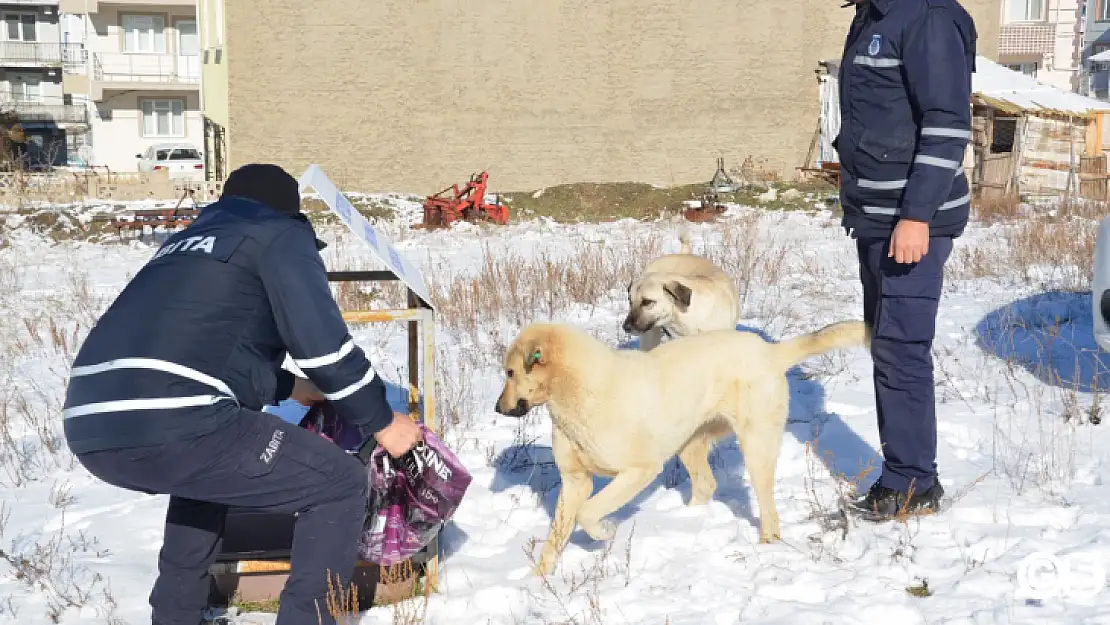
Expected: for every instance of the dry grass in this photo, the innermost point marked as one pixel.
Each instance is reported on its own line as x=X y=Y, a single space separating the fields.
x=50 y=566
x=508 y=290
x=599 y=202
x=1033 y=247
x=575 y=593
x=996 y=208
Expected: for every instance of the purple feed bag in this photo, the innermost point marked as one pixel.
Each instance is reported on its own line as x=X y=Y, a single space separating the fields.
x=411 y=497
x=325 y=421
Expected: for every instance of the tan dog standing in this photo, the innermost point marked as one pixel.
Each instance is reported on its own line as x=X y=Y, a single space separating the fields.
x=679 y=295
x=625 y=413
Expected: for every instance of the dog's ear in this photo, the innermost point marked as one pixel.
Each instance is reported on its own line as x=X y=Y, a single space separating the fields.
x=679 y=292
x=533 y=355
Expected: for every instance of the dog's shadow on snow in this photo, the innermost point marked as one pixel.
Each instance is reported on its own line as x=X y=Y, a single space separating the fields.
x=838 y=447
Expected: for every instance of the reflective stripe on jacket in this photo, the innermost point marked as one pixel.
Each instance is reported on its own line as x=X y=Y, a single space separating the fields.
x=905 y=105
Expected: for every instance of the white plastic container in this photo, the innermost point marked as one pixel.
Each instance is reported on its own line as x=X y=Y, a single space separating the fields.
x=1100 y=286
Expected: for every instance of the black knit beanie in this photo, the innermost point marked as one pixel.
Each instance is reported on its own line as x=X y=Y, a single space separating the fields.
x=265 y=183
x=270 y=185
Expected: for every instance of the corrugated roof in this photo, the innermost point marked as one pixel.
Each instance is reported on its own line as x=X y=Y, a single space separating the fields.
x=1014 y=92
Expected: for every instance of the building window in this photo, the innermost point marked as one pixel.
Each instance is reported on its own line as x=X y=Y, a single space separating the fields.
x=26 y=88
x=1029 y=69
x=20 y=27
x=1098 y=48
x=1024 y=11
x=1102 y=11
x=144 y=34
x=163 y=118
x=1003 y=132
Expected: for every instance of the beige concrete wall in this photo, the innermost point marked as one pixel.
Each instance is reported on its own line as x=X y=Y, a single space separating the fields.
x=412 y=96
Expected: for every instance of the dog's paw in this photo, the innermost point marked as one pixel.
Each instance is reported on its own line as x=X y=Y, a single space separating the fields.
x=767 y=539
x=603 y=530
x=698 y=499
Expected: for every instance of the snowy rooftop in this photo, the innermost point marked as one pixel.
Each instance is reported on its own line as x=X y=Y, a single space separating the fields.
x=1014 y=92
x=1004 y=88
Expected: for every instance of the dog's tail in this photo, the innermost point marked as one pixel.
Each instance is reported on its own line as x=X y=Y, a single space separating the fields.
x=834 y=336
x=684 y=239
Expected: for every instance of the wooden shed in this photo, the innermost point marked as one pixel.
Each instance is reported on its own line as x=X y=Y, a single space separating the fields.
x=1034 y=141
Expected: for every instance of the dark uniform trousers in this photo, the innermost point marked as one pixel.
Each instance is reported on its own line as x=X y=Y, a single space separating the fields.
x=259 y=462
x=900 y=302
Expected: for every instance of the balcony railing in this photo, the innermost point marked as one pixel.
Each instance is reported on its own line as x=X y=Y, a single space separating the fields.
x=71 y=55
x=166 y=69
x=37 y=112
x=1027 y=39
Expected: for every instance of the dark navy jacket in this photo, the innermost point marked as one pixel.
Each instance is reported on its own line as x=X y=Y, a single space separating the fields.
x=203 y=328
x=905 y=109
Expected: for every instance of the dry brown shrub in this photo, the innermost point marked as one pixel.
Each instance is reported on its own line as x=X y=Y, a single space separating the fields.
x=1054 y=253
x=998 y=208
x=509 y=286
x=1051 y=248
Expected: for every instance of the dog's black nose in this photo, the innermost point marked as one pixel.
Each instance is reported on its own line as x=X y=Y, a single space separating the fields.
x=627 y=325
x=519 y=410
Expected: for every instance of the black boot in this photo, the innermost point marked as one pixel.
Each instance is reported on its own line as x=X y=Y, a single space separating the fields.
x=882 y=503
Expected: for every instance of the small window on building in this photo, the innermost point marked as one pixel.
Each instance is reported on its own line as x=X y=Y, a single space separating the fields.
x=20 y=27
x=1024 y=10
x=26 y=88
x=144 y=34
x=1029 y=69
x=1003 y=132
x=163 y=118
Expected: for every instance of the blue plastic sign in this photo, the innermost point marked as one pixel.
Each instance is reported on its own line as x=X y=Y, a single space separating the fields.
x=382 y=247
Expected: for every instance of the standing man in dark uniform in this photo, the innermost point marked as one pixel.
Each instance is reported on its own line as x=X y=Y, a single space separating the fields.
x=165 y=393
x=905 y=106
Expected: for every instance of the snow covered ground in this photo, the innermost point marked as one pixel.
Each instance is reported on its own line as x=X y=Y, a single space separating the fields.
x=1020 y=449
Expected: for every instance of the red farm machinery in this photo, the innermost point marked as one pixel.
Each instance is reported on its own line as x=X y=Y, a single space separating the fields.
x=468 y=204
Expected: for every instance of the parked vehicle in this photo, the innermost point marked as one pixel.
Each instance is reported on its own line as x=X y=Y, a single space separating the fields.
x=1100 y=286
x=182 y=160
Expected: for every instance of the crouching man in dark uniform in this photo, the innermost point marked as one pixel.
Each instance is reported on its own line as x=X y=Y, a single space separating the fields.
x=905 y=105
x=165 y=393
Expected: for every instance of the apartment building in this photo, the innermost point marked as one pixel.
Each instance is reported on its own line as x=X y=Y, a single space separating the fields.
x=142 y=78
x=34 y=58
x=1044 y=40
x=214 y=104
x=403 y=95
x=1096 y=50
